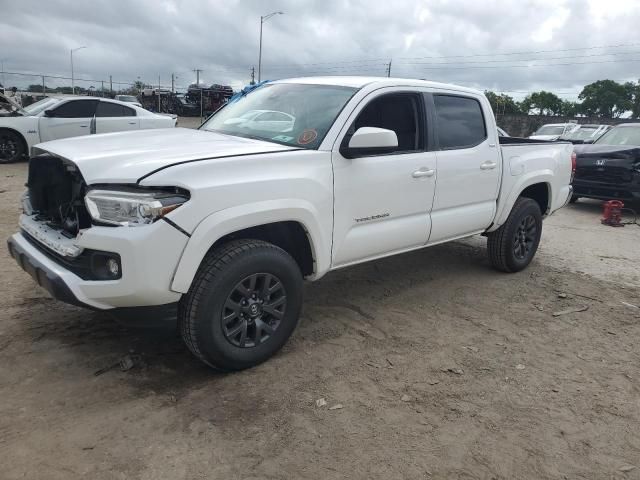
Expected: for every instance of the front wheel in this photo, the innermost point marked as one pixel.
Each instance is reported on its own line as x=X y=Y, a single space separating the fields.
x=243 y=305
x=512 y=246
x=12 y=147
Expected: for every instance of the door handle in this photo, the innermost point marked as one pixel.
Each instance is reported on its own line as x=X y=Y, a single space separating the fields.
x=84 y=126
x=423 y=172
x=488 y=165
x=132 y=123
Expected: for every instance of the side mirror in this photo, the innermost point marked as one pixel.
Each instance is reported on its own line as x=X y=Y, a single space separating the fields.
x=588 y=141
x=369 y=141
x=49 y=113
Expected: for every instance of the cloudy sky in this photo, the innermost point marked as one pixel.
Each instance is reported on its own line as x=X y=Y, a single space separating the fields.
x=514 y=46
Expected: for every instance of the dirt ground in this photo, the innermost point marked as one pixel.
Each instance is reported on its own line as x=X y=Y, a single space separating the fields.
x=442 y=368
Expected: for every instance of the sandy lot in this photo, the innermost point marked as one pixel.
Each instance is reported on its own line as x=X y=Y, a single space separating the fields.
x=443 y=368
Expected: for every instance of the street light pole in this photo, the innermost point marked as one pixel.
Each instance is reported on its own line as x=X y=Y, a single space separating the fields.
x=73 y=85
x=262 y=20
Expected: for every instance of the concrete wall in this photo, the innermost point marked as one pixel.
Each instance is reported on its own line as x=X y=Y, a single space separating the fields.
x=518 y=125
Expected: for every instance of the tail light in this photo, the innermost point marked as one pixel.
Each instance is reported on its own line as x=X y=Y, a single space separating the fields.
x=574 y=163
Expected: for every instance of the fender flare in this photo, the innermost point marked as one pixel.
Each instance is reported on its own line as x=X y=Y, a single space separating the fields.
x=505 y=205
x=224 y=222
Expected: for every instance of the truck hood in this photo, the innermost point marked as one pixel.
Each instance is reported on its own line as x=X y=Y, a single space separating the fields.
x=125 y=157
x=8 y=106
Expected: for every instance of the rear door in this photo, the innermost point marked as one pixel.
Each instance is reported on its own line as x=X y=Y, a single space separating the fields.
x=469 y=166
x=113 y=117
x=70 y=119
x=382 y=202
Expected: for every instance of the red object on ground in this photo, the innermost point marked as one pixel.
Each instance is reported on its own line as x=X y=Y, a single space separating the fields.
x=612 y=214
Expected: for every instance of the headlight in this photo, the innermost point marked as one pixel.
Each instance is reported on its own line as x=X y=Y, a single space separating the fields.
x=131 y=209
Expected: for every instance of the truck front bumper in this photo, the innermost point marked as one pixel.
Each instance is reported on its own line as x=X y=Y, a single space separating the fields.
x=149 y=256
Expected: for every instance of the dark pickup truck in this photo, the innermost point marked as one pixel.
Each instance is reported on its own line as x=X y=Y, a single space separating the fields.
x=610 y=168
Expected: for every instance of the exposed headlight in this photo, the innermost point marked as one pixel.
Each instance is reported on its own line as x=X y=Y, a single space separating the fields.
x=131 y=209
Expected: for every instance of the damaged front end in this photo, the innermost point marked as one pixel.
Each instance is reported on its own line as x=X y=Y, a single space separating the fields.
x=55 y=195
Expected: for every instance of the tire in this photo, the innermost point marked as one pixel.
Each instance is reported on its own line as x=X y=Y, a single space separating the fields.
x=573 y=199
x=12 y=146
x=213 y=309
x=512 y=247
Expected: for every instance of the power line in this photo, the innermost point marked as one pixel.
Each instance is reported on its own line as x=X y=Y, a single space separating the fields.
x=527 y=52
x=523 y=59
x=529 y=66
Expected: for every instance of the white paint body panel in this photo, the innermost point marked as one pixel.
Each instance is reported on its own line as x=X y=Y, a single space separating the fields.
x=352 y=210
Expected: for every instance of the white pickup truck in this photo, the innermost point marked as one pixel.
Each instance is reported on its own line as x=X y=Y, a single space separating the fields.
x=227 y=221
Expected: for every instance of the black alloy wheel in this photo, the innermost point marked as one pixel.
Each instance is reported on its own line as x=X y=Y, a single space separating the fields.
x=253 y=310
x=525 y=237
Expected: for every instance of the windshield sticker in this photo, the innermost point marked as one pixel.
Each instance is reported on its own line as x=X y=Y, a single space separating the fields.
x=282 y=138
x=307 y=136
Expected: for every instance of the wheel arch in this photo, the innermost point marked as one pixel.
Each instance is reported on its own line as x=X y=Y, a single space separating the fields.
x=537 y=186
x=295 y=230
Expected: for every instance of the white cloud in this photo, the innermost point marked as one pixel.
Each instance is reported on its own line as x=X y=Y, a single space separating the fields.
x=146 y=38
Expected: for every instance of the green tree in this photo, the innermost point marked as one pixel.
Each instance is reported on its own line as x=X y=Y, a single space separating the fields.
x=569 y=108
x=501 y=103
x=542 y=103
x=607 y=98
x=634 y=90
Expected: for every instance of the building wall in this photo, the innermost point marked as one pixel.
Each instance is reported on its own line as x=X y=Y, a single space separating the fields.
x=519 y=125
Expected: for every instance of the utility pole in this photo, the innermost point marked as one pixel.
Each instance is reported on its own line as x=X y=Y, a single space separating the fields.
x=110 y=84
x=253 y=76
x=73 y=86
x=158 y=93
x=173 y=83
x=44 y=89
x=389 y=67
x=197 y=70
x=262 y=20
x=102 y=81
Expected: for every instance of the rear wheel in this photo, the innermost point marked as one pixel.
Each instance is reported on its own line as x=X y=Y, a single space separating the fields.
x=12 y=147
x=512 y=247
x=242 y=306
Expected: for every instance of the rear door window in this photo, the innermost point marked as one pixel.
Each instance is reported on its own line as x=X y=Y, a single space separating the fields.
x=108 y=109
x=459 y=122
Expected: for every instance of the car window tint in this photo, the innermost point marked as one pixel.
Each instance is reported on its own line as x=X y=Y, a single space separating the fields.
x=76 y=109
x=108 y=109
x=459 y=122
x=397 y=112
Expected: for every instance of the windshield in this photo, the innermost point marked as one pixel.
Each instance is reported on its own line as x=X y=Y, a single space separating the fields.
x=287 y=113
x=41 y=106
x=127 y=98
x=549 y=130
x=621 y=136
x=584 y=133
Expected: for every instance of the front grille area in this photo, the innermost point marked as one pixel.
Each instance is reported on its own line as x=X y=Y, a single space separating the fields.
x=604 y=175
x=56 y=194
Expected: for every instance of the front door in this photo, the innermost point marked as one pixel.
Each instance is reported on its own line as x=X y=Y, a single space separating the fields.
x=382 y=202
x=70 y=119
